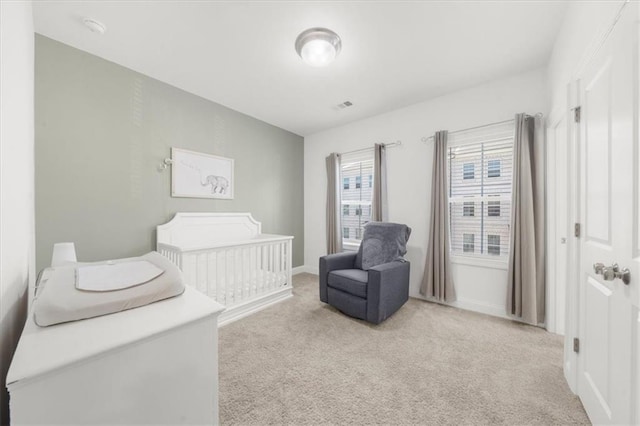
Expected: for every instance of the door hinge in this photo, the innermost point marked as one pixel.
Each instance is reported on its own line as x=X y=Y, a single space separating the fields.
x=576 y=114
x=576 y=229
x=576 y=345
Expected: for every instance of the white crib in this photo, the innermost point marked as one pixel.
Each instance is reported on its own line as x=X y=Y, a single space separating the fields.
x=225 y=256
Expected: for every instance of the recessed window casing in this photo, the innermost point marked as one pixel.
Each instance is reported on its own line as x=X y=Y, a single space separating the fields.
x=480 y=174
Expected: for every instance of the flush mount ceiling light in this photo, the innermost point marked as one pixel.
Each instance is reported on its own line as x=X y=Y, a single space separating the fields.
x=94 y=26
x=318 y=46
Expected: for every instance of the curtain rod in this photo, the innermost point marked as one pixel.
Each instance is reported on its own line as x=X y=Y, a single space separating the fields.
x=425 y=139
x=386 y=145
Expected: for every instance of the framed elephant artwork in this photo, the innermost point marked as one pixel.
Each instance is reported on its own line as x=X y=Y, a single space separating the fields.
x=199 y=175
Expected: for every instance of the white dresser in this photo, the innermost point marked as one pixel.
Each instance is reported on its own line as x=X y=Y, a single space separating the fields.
x=157 y=364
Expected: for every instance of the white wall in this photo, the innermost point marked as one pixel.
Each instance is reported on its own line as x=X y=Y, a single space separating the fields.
x=479 y=287
x=16 y=178
x=584 y=26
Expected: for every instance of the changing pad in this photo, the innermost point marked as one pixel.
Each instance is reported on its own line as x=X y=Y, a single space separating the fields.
x=58 y=300
x=112 y=276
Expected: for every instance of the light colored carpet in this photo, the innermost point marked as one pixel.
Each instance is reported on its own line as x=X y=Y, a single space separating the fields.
x=302 y=362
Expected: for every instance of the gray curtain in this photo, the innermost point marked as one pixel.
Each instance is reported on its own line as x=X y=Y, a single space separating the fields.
x=526 y=291
x=379 y=208
x=334 y=232
x=437 y=281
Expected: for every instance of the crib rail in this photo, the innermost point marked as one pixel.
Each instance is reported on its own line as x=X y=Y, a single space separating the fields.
x=235 y=274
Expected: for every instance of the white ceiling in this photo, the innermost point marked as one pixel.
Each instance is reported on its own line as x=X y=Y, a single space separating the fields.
x=241 y=54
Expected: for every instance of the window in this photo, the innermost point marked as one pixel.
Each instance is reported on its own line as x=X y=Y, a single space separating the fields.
x=493 y=168
x=469 y=208
x=345 y=183
x=469 y=171
x=370 y=181
x=345 y=232
x=493 y=245
x=468 y=246
x=493 y=208
x=480 y=203
x=356 y=167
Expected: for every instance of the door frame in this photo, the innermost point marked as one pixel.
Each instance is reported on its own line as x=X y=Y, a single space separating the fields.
x=555 y=223
x=572 y=311
x=635 y=385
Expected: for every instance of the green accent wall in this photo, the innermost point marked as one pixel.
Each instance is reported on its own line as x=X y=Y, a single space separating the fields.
x=102 y=131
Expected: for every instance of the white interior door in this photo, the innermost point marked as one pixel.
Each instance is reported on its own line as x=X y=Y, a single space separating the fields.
x=608 y=159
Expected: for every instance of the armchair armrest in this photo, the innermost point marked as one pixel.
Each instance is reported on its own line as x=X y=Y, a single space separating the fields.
x=387 y=290
x=333 y=262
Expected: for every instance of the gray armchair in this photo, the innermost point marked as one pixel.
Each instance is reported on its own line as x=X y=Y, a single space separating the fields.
x=377 y=292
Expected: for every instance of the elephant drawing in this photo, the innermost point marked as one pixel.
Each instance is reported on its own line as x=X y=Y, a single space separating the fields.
x=219 y=184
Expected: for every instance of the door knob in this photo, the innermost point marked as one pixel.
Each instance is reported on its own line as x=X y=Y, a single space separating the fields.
x=624 y=275
x=609 y=272
x=598 y=267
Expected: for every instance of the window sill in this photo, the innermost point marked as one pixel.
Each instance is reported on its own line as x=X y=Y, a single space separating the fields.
x=350 y=246
x=482 y=262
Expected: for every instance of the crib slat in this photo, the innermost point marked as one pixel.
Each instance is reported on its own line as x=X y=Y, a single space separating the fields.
x=243 y=274
x=289 y=262
x=240 y=275
x=274 y=274
x=274 y=271
x=228 y=279
x=237 y=266
x=269 y=267
x=224 y=277
x=214 y=276
x=208 y=275
x=281 y=270
x=237 y=281
x=220 y=278
x=203 y=272
x=252 y=271
x=211 y=279
x=197 y=270
x=263 y=268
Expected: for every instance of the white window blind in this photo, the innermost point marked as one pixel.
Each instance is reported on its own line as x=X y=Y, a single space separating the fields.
x=356 y=198
x=480 y=173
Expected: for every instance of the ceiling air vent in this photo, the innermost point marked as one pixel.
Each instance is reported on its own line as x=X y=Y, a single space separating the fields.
x=345 y=104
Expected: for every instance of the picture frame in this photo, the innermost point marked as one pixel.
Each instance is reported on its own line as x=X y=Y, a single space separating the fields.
x=200 y=175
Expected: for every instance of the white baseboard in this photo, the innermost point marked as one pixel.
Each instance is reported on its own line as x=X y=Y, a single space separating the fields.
x=305 y=269
x=245 y=309
x=471 y=305
x=481 y=307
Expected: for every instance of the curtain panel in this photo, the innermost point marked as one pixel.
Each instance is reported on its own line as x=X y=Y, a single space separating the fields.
x=334 y=232
x=526 y=285
x=379 y=205
x=437 y=281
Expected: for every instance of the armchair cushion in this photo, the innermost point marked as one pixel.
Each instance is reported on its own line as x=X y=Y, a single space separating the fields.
x=352 y=281
x=382 y=242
